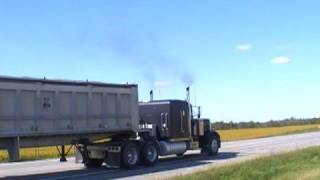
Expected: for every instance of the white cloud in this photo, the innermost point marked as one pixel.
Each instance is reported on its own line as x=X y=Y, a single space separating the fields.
x=280 y=60
x=244 y=47
x=162 y=83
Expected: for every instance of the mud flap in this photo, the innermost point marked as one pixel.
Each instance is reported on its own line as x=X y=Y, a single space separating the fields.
x=113 y=160
x=78 y=156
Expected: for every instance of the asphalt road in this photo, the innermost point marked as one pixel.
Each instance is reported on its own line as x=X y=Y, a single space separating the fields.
x=231 y=152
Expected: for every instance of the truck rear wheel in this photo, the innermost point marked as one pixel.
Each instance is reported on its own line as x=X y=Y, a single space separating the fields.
x=130 y=155
x=150 y=153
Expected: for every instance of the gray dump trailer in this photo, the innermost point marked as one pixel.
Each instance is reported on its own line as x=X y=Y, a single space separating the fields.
x=103 y=121
x=39 y=112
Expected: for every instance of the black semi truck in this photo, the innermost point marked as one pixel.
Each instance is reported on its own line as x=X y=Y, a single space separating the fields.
x=165 y=127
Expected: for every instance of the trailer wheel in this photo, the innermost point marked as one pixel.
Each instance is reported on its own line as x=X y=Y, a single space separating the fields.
x=150 y=153
x=93 y=163
x=130 y=155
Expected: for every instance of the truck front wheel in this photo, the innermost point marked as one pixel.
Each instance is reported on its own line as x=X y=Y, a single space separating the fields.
x=130 y=155
x=150 y=153
x=212 y=145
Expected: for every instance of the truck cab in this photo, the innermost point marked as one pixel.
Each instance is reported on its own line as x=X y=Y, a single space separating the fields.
x=171 y=117
x=177 y=129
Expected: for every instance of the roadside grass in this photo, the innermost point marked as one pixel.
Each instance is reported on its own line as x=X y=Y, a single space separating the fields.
x=226 y=135
x=251 y=133
x=302 y=164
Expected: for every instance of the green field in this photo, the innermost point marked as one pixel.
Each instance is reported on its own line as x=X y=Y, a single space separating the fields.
x=303 y=165
x=252 y=133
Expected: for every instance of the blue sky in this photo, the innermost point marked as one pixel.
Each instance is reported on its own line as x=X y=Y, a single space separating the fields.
x=245 y=60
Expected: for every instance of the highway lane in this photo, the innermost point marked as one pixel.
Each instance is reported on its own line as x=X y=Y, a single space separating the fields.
x=231 y=152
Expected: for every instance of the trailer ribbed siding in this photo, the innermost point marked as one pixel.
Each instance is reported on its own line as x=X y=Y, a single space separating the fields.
x=39 y=107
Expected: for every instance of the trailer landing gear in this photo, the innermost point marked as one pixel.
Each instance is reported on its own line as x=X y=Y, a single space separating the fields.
x=63 y=153
x=13 y=149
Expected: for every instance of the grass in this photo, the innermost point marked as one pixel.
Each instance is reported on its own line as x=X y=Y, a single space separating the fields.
x=303 y=164
x=226 y=135
x=239 y=134
x=36 y=153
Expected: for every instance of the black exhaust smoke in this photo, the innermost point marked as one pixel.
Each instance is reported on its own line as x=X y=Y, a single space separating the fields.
x=143 y=51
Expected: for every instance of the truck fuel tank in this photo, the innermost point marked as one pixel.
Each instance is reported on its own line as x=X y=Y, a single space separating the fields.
x=168 y=148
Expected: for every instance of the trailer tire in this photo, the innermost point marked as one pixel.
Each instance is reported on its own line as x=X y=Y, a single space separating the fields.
x=150 y=153
x=130 y=155
x=93 y=163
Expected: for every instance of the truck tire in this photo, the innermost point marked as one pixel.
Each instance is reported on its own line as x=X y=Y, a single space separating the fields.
x=212 y=145
x=130 y=155
x=149 y=153
x=93 y=163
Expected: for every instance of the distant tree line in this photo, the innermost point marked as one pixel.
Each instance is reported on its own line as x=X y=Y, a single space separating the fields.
x=272 y=123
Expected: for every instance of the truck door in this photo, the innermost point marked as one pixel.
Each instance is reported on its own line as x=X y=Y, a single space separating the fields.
x=180 y=120
x=164 y=123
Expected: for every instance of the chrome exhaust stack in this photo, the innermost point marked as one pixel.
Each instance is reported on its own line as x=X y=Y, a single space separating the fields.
x=188 y=94
x=151 y=95
x=190 y=114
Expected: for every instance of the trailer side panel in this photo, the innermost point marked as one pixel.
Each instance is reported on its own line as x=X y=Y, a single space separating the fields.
x=35 y=107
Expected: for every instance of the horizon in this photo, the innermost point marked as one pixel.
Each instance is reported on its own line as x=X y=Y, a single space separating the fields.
x=244 y=61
